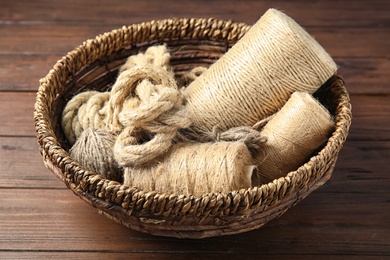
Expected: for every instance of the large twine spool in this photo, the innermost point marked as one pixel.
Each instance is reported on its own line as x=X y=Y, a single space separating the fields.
x=255 y=78
x=195 y=169
x=293 y=134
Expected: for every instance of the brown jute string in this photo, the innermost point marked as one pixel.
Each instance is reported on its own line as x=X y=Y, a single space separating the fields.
x=275 y=58
x=293 y=134
x=196 y=168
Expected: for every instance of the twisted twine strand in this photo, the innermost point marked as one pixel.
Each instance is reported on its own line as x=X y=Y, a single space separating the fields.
x=158 y=113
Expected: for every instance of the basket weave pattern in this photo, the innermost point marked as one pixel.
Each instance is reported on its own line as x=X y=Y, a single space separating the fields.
x=192 y=42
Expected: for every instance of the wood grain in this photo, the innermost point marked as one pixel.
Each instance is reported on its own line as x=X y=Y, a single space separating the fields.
x=309 y=13
x=362 y=75
x=62 y=221
x=16 y=113
x=339 y=42
x=348 y=217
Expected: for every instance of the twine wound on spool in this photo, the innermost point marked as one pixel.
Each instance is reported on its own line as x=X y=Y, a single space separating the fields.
x=189 y=169
x=275 y=58
x=293 y=134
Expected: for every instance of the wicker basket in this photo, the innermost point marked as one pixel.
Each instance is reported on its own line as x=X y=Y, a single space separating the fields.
x=192 y=42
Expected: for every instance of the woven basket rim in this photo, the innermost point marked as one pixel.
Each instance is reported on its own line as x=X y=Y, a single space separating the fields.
x=83 y=181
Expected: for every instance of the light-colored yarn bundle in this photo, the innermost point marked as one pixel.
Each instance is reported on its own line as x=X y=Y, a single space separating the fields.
x=200 y=140
x=300 y=127
x=254 y=79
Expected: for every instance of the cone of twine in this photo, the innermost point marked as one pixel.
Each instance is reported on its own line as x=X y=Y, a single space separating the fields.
x=255 y=78
x=195 y=169
x=293 y=134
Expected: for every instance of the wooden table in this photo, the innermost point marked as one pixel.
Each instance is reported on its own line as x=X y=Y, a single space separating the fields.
x=347 y=217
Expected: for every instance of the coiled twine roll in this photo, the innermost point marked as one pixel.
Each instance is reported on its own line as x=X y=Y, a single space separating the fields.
x=293 y=134
x=195 y=169
x=255 y=78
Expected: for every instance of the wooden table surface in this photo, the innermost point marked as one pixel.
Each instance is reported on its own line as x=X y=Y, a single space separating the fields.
x=347 y=217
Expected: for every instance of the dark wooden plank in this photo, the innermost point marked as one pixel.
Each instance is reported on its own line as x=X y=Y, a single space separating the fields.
x=52 y=39
x=32 y=67
x=59 y=39
x=162 y=255
x=316 y=13
x=361 y=168
x=56 y=220
x=365 y=75
x=16 y=113
x=21 y=165
x=362 y=75
x=370 y=117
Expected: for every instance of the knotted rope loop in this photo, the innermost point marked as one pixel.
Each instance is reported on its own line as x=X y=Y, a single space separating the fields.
x=145 y=101
x=124 y=89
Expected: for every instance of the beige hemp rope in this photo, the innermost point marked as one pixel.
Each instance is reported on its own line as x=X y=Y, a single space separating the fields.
x=275 y=58
x=156 y=110
x=89 y=109
x=293 y=134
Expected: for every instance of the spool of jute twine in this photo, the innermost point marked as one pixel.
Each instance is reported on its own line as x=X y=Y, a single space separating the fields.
x=275 y=58
x=195 y=169
x=293 y=134
x=154 y=110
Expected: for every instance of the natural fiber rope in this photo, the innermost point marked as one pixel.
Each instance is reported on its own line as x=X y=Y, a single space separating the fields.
x=258 y=74
x=153 y=56
x=157 y=112
x=143 y=110
x=145 y=99
x=89 y=109
x=245 y=134
x=76 y=109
